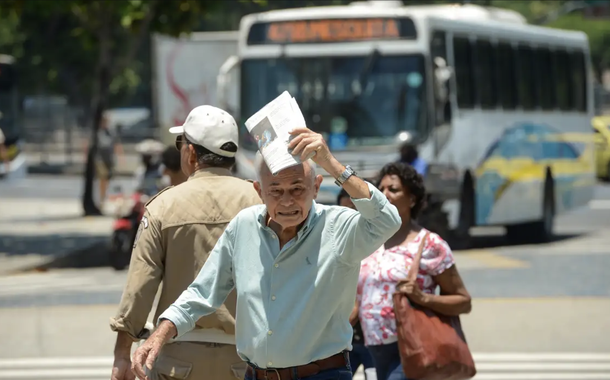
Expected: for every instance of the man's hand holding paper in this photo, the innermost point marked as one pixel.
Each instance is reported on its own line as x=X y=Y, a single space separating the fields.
x=276 y=120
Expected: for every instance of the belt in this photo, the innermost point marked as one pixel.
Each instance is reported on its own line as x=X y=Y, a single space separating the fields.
x=311 y=369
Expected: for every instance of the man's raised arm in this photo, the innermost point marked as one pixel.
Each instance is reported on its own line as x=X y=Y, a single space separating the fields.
x=356 y=234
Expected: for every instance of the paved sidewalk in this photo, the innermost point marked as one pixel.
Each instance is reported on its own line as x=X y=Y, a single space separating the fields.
x=36 y=232
x=60 y=163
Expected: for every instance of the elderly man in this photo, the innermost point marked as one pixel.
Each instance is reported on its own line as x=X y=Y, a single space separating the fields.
x=294 y=264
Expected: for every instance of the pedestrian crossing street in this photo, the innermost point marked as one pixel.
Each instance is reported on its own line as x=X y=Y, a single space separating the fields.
x=491 y=366
x=62 y=281
x=537 y=366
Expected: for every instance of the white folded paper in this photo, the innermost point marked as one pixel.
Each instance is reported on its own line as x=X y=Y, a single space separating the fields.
x=270 y=127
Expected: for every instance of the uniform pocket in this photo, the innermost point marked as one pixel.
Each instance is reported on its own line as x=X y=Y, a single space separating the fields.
x=239 y=370
x=175 y=368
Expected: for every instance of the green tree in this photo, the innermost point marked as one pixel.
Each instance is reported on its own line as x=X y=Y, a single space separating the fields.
x=88 y=45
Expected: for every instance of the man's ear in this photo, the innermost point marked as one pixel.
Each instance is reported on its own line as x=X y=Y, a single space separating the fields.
x=316 y=185
x=192 y=155
x=258 y=188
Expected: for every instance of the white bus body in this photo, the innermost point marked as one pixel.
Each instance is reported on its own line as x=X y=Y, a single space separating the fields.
x=509 y=145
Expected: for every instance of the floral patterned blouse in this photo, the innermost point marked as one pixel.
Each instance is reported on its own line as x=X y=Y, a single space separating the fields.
x=381 y=272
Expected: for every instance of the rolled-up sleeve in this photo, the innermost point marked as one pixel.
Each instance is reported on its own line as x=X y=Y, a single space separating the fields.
x=209 y=290
x=359 y=233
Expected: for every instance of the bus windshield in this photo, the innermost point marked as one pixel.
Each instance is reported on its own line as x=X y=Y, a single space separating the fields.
x=353 y=101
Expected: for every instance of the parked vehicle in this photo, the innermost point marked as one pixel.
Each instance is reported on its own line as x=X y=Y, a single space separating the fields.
x=129 y=213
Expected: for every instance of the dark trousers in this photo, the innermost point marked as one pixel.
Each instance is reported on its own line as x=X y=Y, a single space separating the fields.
x=360 y=355
x=387 y=362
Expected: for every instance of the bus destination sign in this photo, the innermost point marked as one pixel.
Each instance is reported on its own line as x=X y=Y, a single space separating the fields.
x=330 y=30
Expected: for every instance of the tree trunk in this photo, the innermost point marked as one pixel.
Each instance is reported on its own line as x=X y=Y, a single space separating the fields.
x=98 y=106
x=107 y=69
x=89 y=206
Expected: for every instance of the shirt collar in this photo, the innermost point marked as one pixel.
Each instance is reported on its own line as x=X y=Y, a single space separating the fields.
x=210 y=172
x=262 y=219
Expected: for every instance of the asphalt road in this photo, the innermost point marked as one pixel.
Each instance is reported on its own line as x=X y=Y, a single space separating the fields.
x=539 y=311
x=574 y=265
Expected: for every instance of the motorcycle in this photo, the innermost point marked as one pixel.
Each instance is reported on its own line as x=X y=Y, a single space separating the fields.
x=129 y=213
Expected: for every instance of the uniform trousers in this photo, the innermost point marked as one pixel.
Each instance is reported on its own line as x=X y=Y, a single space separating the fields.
x=198 y=360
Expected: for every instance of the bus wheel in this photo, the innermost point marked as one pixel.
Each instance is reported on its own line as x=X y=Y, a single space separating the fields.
x=540 y=231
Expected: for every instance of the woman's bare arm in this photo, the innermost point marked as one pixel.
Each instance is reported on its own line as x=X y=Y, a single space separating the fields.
x=454 y=298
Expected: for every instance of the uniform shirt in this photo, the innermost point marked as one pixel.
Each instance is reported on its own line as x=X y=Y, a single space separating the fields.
x=293 y=303
x=179 y=229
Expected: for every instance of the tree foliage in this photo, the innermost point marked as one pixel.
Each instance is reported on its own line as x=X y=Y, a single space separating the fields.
x=83 y=47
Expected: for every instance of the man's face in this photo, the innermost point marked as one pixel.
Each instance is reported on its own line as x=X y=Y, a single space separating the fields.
x=288 y=195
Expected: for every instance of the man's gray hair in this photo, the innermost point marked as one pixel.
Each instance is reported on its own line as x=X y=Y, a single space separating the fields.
x=260 y=165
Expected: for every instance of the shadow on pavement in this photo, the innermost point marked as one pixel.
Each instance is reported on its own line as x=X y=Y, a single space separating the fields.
x=56 y=251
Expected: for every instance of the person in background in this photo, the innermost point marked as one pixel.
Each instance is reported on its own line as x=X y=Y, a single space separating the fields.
x=170 y=158
x=409 y=155
x=179 y=228
x=359 y=355
x=148 y=175
x=3 y=152
x=384 y=271
x=108 y=149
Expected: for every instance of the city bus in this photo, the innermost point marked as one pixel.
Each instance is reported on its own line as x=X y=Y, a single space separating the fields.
x=9 y=118
x=499 y=109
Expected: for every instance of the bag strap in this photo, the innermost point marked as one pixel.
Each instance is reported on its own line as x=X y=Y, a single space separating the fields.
x=412 y=275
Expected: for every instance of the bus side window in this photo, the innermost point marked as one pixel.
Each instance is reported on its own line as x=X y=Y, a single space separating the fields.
x=544 y=77
x=579 y=81
x=526 y=83
x=438 y=48
x=464 y=78
x=563 y=84
x=506 y=75
x=486 y=80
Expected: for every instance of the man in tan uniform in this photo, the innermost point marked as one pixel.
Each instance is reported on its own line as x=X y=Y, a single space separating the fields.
x=180 y=227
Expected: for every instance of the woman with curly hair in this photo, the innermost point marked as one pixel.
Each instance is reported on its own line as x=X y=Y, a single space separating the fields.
x=385 y=271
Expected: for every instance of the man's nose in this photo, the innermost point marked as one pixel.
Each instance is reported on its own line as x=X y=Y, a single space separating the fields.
x=287 y=198
x=386 y=193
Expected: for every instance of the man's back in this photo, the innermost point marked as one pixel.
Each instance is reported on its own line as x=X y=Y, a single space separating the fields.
x=193 y=217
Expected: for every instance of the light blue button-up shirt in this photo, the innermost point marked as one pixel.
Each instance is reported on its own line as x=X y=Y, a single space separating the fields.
x=293 y=304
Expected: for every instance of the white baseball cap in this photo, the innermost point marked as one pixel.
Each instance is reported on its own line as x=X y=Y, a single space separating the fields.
x=211 y=128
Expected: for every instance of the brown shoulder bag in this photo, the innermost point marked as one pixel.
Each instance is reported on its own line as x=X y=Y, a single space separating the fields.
x=432 y=346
